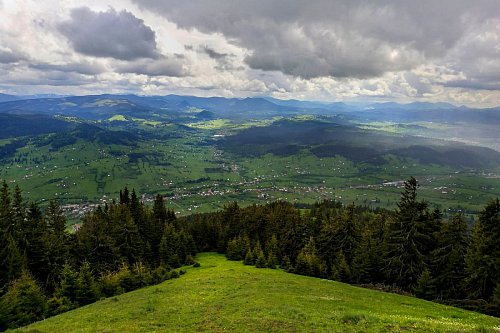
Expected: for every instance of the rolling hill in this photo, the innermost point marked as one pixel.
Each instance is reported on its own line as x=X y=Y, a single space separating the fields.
x=224 y=295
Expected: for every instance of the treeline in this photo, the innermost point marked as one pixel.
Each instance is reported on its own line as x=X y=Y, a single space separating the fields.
x=410 y=250
x=46 y=270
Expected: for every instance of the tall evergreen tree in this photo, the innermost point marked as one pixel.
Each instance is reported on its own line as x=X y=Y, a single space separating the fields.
x=483 y=256
x=35 y=233
x=368 y=263
x=448 y=260
x=68 y=285
x=169 y=247
x=56 y=246
x=87 y=291
x=348 y=234
x=405 y=260
x=14 y=263
x=308 y=261
x=129 y=240
x=6 y=232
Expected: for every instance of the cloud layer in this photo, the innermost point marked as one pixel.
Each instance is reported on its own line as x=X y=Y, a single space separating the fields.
x=325 y=50
x=350 y=38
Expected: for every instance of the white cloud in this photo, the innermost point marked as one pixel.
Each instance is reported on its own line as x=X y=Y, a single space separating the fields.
x=322 y=50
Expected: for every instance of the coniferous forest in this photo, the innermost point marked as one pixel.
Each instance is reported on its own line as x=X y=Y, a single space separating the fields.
x=46 y=270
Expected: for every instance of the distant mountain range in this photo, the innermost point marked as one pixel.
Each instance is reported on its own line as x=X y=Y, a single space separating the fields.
x=100 y=107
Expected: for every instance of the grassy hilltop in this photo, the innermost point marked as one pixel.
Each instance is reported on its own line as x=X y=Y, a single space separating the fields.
x=223 y=295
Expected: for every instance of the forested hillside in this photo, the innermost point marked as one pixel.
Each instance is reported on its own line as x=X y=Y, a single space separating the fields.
x=46 y=270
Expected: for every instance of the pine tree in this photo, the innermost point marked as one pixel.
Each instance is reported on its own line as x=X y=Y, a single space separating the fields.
x=36 y=245
x=483 y=255
x=156 y=225
x=168 y=252
x=68 y=286
x=308 y=262
x=405 y=260
x=260 y=258
x=341 y=270
x=424 y=287
x=86 y=292
x=124 y=197
x=97 y=241
x=448 y=260
x=249 y=258
x=286 y=264
x=272 y=260
x=159 y=209
x=233 y=251
x=23 y=303
x=6 y=232
x=19 y=218
x=368 y=262
x=348 y=234
x=129 y=240
x=273 y=246
x=56 y=243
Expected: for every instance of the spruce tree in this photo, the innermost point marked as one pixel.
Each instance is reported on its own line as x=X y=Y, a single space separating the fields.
x=341 y=270
x=23 y=303
x=308 y=262
x=129 y=240
x=6 y=232
x=56 y=243
x=368 y=262
x=233 y=251
x=483 y=255
x=348 y=234
x=405 y=260
x=68 y=286
x=14 y=263
x=448 y=260
x=249 y=258
x=36 y=244
x=273 y=246
x=87 y=291
x=168 y=252
x=260 y=260
x=425 y=287
x=272 y=260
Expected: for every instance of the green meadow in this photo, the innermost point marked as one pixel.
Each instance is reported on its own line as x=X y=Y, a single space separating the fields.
x=227 y=296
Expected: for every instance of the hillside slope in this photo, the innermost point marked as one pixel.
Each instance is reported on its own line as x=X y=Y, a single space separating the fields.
x=227 y=296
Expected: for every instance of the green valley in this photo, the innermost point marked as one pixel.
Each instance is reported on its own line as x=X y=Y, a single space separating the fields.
x=200 y=158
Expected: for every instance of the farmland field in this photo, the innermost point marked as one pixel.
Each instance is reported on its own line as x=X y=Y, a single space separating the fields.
x=200 y=160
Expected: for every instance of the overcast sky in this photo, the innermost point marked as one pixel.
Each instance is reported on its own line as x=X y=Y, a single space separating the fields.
x=331 y=50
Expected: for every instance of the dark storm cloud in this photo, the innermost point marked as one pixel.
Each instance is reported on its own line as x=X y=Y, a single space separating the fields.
x=118 y=35
x=347 y=38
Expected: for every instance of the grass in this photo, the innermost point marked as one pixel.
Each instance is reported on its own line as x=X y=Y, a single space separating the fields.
x=223 y=295
x=118 y=117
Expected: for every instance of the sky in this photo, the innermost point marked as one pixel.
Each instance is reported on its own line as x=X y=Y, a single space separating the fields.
x=326 y=50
